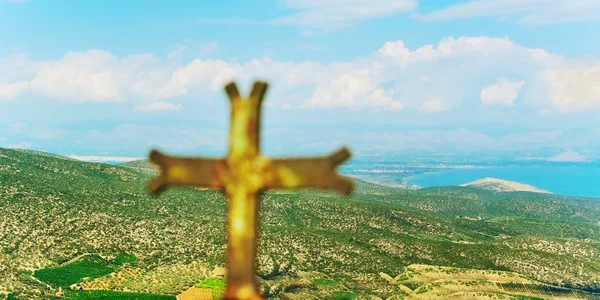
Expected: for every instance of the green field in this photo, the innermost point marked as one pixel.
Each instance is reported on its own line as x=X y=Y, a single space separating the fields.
x=212 y=283
x=90 y=266
x=217 y=285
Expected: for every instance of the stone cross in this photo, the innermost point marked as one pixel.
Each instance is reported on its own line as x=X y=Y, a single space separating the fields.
x=244 y=173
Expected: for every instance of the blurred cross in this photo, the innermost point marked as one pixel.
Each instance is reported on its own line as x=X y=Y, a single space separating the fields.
x=243 y=174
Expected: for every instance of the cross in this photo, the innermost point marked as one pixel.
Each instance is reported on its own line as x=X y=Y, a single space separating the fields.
x=244 y=173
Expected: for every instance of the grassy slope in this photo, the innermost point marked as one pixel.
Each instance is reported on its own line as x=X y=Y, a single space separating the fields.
x=54 y=209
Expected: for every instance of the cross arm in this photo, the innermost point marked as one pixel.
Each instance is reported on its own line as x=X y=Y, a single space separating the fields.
x=200 y=172
x=309 y=172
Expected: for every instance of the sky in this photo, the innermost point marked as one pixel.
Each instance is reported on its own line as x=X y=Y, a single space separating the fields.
x=110 y=80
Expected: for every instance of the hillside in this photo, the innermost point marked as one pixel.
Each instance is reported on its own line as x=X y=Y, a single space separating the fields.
x=141 y=165
x=499 y=185
x=54 y=210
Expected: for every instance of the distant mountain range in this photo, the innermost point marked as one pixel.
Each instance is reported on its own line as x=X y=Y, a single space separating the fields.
x=492 y=184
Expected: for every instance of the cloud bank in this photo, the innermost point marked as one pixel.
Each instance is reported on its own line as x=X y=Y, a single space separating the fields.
x=430 y=78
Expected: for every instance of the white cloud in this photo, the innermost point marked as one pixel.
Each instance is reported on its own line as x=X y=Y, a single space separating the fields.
x=17 y=68
x=10 y=91
x=91 y=76
x=392 y=78
x=212 y=72
x=335 y=14
x=448 y=47
x=434 y=106
x=99 y=76
x=156 y=106
x=457 y=66
x=394 y=64
x=531 y=12
x=575 y=88
x=104 y=158
x=354 y=90
x=503 y=92
x=79 y=75
x=22 y=145
x=568 y=156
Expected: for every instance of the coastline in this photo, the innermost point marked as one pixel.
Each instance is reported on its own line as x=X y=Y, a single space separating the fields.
x=561 y=180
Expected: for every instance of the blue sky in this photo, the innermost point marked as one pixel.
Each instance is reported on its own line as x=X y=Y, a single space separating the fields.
x=482 y=78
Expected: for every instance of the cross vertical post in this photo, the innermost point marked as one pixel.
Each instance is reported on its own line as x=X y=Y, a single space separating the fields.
x=244 y=174
x=242 y=192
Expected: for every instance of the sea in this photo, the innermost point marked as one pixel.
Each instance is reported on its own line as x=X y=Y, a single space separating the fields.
x=560 y=180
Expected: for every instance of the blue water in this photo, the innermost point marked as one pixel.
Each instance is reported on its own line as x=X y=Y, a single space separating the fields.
x=568 y=181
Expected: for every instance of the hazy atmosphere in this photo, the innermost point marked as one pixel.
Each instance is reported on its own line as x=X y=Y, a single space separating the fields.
x=510 y=79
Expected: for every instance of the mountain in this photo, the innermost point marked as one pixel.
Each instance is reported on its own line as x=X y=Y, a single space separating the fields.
x=70 y=224
x=499 y=185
